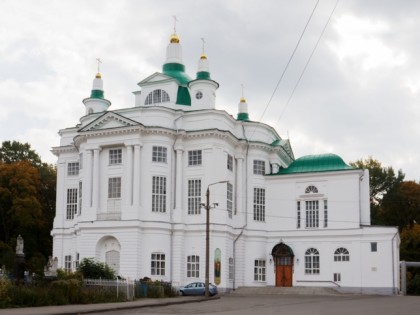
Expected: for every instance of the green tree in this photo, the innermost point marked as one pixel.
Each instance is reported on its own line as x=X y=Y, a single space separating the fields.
x=381 y=180
x=401 y=205
x=14 y=151
x=91 y=269
x=27 y=203
x=410 y=243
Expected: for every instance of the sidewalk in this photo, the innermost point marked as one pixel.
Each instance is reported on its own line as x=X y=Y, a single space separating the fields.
x=92 y=308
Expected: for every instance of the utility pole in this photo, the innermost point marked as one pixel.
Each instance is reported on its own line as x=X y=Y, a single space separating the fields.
x=207 y=207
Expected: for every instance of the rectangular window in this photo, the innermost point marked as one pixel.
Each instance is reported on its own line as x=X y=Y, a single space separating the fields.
x=259 y=270
x=194 y=157
x=73 y=168
x=325 y=213
x=230 y=162
x=67 y=263
x=158 y=264
x=193 y=266
x=114 y=187
x=312 y=214
x=115 y=156
x=298 y=215
x=71 y=203
x=374 y=247
x=159 y=154
x=259 y=167
x=229 y=201
x=80 y=197
x=77 y=261
x=259 y=204
x=337 y=277
x=159 y=194
x=231 y=268
x=194 y=196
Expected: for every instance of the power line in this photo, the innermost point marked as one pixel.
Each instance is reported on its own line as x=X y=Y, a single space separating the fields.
x=287 y=65
x=307 y=62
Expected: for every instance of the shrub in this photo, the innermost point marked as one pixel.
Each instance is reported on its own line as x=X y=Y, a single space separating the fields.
x=91 y=269
x=5 y=289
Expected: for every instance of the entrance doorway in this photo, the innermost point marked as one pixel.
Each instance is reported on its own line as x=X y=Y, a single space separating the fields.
x=283 y=261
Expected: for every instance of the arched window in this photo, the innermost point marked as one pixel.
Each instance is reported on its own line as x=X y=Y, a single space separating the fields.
x=156 y=97
x=312 y=261
x=311 y=189
x=341 y=254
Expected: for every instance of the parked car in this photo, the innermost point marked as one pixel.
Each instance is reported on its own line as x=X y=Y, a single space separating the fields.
x=197 y=288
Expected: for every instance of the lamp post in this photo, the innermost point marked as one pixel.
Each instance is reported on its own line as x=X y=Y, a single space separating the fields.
x=207 y=207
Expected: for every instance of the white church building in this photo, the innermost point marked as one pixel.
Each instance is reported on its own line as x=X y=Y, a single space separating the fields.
x=132 y=182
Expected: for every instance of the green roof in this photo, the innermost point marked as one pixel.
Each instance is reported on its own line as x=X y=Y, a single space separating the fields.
x=183 y=96
x=176 y=71
x=203 y=75
x=242 y=116
x=97 y=94
x=316 y=163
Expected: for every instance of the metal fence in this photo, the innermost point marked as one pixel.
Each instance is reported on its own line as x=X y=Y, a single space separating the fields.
x=122 y=288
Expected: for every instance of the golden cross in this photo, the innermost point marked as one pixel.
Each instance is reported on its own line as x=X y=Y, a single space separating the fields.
x=175 y=20
x=242 y=86
x=202 y=39
x=99 y=64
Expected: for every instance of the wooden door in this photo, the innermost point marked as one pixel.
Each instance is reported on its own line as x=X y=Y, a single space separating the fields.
x=284 y=275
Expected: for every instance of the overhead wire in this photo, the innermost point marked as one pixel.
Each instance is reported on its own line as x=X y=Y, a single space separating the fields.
x=287 y=65
x=307 y=63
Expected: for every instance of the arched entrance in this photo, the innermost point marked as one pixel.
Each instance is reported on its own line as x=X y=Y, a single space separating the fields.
x=283 y=261
x=108 y=250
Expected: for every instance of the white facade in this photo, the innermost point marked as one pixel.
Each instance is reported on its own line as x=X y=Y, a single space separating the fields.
x=130 y=184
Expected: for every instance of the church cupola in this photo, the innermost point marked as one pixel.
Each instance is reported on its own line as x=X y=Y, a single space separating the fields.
x=96 y=103
x=203 y=88
x=243 y=110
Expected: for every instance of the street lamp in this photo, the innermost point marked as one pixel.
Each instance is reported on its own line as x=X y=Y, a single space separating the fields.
x=207 y=207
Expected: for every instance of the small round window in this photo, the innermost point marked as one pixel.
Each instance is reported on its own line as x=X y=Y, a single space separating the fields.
x=199 y=95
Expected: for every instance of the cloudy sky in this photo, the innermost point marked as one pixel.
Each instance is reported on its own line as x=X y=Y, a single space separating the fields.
x=358 y=97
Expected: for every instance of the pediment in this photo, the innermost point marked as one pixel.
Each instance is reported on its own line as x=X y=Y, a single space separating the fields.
x=109 y=120
x=156 y=77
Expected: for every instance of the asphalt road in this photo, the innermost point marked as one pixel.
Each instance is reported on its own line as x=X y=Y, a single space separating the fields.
x=290 y=305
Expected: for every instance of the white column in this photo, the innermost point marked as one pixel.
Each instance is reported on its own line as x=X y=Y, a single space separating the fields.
x=129 y=176
x=87 y=181
x=61 y=196
x=136 y=176
x=239 y=185
x=179 y=175
x=95 y=180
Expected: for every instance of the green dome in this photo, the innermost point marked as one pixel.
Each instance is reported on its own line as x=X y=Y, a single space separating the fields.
x=176 y=71
x=316 y=163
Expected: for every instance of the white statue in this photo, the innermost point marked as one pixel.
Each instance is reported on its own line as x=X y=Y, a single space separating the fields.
x=19 y=245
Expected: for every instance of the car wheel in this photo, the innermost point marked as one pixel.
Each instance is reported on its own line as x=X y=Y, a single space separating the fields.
x=182 y=293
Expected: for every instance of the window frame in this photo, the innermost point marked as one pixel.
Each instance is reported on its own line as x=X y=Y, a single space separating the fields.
x=259 y=204
x=312 y=214
x=71 y=203
x=157 y=264
x=341 y=254
x=157 y=96
x=229 y=199
x=114 y=187
x=259 y=167
x=229 y=162
x=159 y=154
x=67 y=263
x=73 y=168
x=312 y=262
x=231 y=263
x=260 y=270
x=193 y=266
x=194 y=196
x=159 y=194
x=115 y=156
x=195 y=157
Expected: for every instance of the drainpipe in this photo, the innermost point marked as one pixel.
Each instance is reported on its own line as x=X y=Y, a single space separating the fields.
x=393 y=263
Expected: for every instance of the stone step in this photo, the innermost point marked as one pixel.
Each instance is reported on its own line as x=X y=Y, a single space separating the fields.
x=284 y=291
